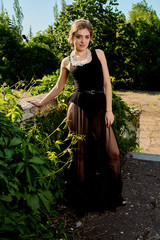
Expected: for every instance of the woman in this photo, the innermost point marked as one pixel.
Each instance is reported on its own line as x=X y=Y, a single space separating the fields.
x=95 y=182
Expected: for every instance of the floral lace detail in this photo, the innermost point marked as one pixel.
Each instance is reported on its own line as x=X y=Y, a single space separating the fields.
x=79 y=63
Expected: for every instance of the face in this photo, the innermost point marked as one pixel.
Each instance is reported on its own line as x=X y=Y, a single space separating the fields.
x=81 y=39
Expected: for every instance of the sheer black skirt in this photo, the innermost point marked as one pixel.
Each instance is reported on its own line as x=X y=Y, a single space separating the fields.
x=94 y=179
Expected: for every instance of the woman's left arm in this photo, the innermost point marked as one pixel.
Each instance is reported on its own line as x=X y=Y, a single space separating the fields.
x=109 y=117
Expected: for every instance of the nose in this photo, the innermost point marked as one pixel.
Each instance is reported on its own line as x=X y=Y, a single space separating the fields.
x=82 y=40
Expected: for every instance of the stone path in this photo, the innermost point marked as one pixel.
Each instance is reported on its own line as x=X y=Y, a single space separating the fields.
x=140 y=218
x=149 y=104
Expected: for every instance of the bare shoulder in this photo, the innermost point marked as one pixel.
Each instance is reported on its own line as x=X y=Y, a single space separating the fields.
x=100 y=54
x=65 y=63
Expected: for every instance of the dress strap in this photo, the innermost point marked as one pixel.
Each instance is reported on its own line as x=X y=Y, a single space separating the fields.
x=94 y=55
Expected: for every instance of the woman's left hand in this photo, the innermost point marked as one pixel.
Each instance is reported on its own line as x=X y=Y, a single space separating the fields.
x=109 y=118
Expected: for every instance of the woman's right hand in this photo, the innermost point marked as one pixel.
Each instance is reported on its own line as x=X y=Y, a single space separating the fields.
x=35 y=102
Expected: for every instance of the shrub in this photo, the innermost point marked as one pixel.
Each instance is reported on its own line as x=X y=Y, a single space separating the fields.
x=33 y=158
x=31 y=172
x=122 y=112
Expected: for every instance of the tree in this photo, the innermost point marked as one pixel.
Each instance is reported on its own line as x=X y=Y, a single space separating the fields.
x=30 y=32
x=21 y=60
x=18 y=16
x=55 y=11
x=147 y=54
x=63 y=4
x=102 y=17
x=142 y=11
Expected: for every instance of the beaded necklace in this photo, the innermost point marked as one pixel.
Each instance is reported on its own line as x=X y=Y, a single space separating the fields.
x=79 y=63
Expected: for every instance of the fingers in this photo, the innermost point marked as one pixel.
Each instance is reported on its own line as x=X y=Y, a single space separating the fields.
x=33 y=101
x=109 y=123
x=109 y=119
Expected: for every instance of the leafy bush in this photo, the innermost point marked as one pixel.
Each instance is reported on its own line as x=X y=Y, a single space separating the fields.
x=21 y=60
x=45 y=84
x=123 y=118
x=33 y=158
x=122 y=112
x=31 y=172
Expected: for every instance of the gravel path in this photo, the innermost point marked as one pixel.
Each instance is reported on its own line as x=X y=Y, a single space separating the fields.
x=140 y=218
x=149 y=104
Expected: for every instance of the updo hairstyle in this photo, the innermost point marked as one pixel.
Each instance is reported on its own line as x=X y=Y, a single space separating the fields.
x=79 y=24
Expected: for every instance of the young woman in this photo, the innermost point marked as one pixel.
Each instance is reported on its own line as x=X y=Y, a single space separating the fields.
x=94 y=182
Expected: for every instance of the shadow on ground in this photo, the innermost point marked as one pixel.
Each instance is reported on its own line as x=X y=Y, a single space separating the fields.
x=140 y=218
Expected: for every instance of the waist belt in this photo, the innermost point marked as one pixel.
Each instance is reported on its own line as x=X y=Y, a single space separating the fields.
x=90 y=91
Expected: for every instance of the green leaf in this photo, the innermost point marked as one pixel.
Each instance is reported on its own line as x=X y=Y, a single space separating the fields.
x=2 y=142
x=6 y=198
x=37 y=169
x=2 y=163
x=3 y=176
x=33 y=201
x=6 y=139
x=15 y=141
x=1 y=154
x=36 y=160
x=28 y=176
x=31 y=147
x=9 y=152
x=13 y=185
x=48 y=195
x=20 y=167
x=45 y=170
x=45 y=201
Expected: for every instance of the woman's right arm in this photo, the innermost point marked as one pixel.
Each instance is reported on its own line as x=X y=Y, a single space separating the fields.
x=64 y=73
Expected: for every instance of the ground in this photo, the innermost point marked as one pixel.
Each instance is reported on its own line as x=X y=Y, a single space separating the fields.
x=149 y=104
x=140 y=218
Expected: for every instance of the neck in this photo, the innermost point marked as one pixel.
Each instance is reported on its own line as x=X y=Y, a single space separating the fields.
x=79 y=55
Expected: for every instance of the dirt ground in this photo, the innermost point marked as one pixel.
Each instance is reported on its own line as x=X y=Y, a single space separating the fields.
x=149 y=104
x=140 y=218
x=145 y=101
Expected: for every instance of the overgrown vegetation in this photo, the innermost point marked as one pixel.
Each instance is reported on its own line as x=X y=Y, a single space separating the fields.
x=32 y=159
x=33 y=155
x=123 y=113
x=131 y=45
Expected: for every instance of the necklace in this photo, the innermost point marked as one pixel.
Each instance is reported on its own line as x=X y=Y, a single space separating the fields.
x=79 y=63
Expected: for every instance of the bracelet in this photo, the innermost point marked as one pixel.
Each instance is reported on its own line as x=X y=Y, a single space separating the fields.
x=108 y=110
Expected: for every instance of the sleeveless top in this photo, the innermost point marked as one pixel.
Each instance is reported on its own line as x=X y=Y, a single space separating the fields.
x=86 y=78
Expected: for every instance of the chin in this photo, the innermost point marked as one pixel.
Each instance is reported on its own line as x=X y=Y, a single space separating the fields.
x=83 y=47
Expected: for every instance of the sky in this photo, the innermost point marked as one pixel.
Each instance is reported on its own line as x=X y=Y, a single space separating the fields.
x=39 y=13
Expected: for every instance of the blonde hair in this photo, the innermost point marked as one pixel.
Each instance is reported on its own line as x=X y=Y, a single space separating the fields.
x=79 y=24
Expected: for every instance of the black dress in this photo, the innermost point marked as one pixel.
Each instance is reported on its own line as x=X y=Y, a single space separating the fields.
x=94 y=181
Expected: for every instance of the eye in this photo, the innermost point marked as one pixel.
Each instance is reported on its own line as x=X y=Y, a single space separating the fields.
x=87 y=36
x=78 y=36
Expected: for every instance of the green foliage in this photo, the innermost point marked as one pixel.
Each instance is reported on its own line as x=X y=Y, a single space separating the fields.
x=131 y=46
x=32 y=159
x=124 y=116
x=145 y=56
x=142 y=11
x=102 y=17
x=45 y=84
x=36 y=154
x=20 y=60
x=38 y=60
x=127 y=44
x=18 y=16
